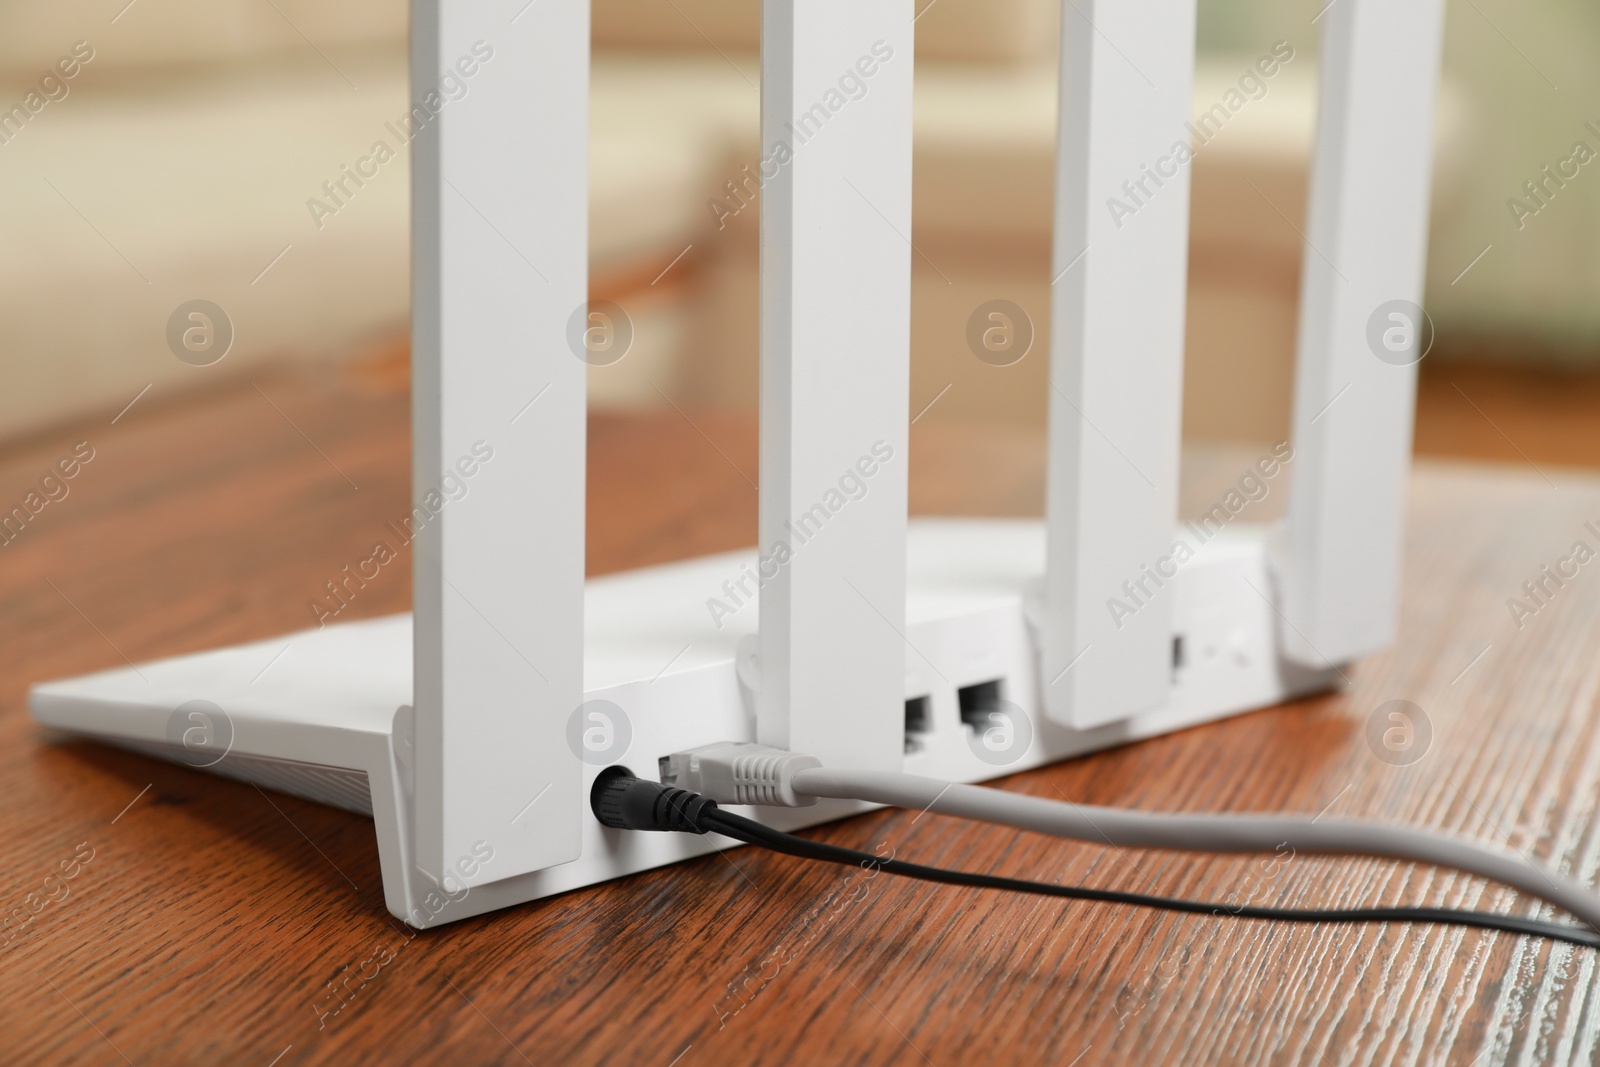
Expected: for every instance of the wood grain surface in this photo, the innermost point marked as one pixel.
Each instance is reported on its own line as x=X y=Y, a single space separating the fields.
x=203 y=920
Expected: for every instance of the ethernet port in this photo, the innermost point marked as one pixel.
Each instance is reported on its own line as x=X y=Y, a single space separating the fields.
x=919 y=723
x=977 y=701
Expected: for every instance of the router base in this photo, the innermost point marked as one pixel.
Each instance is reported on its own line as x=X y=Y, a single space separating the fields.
x=325 y=714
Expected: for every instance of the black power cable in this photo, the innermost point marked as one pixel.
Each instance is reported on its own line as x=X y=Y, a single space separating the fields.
x=623 y=801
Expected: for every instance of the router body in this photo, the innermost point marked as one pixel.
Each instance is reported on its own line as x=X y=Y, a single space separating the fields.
x=470 y=729
x=332 y=719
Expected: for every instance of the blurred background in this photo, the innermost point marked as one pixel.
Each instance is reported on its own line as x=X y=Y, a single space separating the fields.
x=181 y=159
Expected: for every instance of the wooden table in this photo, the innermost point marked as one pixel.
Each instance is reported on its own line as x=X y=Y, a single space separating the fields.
x=211 y=916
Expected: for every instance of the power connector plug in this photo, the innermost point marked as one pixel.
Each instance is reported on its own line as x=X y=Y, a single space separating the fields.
x=623 y=802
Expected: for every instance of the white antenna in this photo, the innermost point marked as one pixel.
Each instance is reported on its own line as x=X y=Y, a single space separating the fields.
x=1361 y=329
x=500 y=203
x=1116 y=368
x=835 y=373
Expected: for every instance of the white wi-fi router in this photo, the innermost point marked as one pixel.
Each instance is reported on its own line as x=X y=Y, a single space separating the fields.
x=471 y=729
